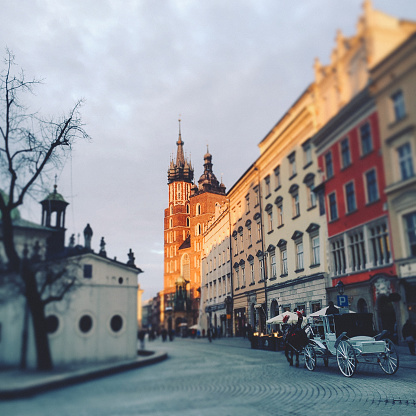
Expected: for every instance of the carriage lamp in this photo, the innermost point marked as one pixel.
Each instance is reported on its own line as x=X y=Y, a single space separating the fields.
x=340 y=287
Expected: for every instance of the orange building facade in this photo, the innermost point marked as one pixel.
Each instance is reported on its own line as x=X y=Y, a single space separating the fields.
x=190 y=208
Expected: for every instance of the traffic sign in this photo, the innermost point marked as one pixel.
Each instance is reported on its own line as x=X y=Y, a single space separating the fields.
x=342 y=301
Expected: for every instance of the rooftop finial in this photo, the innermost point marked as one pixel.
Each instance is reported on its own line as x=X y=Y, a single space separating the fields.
x=179 y=125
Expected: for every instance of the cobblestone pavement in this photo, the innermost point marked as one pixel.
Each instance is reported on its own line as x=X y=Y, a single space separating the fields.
x=226 y=377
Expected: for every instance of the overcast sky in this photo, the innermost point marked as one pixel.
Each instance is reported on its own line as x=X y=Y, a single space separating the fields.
x=230 y=68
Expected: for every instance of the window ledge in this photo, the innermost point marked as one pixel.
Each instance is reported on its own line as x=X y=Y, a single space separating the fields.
x=276 y=189
x=314 y=266
x=251 y=284
x=299 y=270
x=270 y=231
x=251 y=245
x=284 y=275
x=396 y=122
x=308 y=164
x=351 y=212
x=268 y=195
x=293 y=176
x=280 y=226
x=367 y=154
x=261 y=281
x=372 y=202
x=273 y=278
x=243 y=287
x=296 y=216
x=311 y=208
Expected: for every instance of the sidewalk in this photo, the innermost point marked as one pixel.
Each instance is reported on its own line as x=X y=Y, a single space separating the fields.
x=16 y=384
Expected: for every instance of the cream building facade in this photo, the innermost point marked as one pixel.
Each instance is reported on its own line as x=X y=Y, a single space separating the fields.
x=216 y=288
x=394 y=87
x=247 y=253
x=278 y=212
x=294 y=225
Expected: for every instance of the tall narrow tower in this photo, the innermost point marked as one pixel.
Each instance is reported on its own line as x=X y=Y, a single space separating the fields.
x=53 y=216
x=176 y=224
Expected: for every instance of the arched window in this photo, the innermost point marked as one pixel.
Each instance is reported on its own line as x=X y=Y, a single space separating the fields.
x=362 y=306
x=187 y=223
x=170 y=223
x=187 y=208
x=198 y=229
x=198 y=209
x=171 y=209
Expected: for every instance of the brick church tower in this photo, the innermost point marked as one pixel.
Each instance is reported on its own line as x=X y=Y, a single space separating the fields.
x=186 y=218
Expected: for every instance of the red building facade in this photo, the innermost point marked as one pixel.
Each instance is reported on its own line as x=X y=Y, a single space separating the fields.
x=359 y=247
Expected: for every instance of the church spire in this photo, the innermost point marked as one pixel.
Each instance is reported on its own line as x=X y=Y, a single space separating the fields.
x=180 y=158
x=180 y=169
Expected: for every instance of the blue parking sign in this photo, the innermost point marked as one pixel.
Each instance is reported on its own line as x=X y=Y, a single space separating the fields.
x=342 y=301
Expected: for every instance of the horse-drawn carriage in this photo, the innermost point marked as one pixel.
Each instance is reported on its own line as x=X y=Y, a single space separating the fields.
x=350 y=339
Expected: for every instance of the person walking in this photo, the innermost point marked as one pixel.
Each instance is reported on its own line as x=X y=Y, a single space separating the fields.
x=409 y=335
x=331 y=310
x=209 y=332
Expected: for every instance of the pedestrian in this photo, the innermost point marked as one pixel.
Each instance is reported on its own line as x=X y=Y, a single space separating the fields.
x=170 y=334
x=331 y=309
x=209 y=335
x=409 y=335
x=141 y=335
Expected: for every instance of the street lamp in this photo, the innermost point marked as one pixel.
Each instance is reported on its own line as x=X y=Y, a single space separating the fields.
x=340 y=287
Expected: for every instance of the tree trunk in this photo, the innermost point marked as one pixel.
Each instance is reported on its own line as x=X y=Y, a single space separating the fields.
x=8 y=242
x=37 y=310
x=23 y=351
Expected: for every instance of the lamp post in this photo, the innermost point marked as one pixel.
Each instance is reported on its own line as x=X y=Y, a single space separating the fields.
x=340 y=287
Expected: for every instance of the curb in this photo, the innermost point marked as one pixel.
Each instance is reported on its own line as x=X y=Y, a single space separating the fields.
x=52 y=382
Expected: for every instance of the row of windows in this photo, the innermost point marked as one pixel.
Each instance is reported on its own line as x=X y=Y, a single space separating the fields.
x=197 y=209
x=312 y=202
x=85 y=324
x=366 y=143
x=221 y=289
x=371 y=193
x=223 y=257
x=361 y=249
x=273 y=266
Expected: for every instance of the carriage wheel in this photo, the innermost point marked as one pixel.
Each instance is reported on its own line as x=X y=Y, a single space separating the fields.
x=346 y=358
x=310 y=357
x=389 y=359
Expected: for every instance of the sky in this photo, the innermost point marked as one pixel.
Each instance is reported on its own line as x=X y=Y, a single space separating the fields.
x=228 y=68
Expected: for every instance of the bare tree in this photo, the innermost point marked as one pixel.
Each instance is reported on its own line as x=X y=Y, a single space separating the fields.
x=30 y=148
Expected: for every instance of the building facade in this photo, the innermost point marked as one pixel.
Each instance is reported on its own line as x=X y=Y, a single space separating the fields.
x=96 y=320
x=216 y=288
x=394 y=86
x=191 y=206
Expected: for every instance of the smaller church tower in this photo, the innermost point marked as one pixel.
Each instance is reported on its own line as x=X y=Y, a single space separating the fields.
x=53 y=216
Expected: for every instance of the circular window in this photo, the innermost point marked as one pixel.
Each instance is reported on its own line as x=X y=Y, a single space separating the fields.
x=116 y=323
x=120 y=280
x=85 y=323
x=52 y=324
